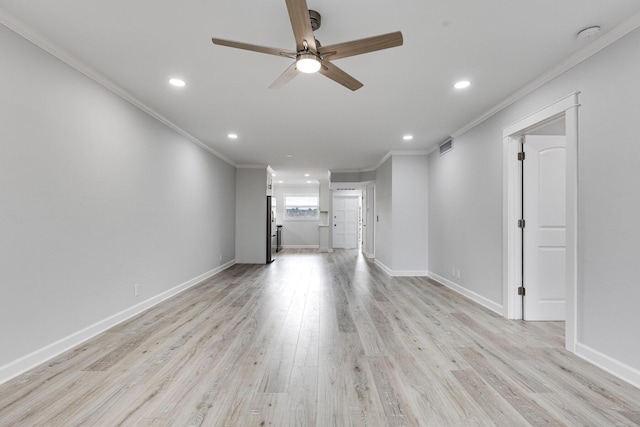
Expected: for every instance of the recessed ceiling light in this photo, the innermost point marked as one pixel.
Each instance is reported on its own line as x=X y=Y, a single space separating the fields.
x=280 y=182
x=407 y=137
x=462 y=84
x=177 y=82
x=232 y=136
x=273 y=174
x=309 y=182
x=306 y=174
x=289 y=156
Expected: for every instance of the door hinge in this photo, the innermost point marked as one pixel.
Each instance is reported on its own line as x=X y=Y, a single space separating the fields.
x=521 y=223
x=521 y=156
x=521 y=290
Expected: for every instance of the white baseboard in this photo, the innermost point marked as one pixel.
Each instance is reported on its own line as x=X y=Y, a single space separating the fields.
x=477 y=298
x=401 y=273
x=30 y=361
x=613 y=366
x=368 y=255
x=383 y=267
x=300 y=246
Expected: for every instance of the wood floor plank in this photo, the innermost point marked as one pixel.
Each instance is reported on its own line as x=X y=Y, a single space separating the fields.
x=392 y=393
x=325 y=340
x=487 y=398
x=356 y=377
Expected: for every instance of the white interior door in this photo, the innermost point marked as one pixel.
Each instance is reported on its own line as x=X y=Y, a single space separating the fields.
x=544 y=244
x=345 y=222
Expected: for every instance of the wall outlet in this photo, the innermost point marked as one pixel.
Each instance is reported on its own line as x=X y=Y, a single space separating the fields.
x=453 y=272
x=136 y=290
x=220 y=257
x=457 y=273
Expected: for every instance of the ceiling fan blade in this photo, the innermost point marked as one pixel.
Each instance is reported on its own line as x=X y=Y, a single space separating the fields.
x=254 y=48
x=357 y=47
x=285 y=77
x=301 y=24
x=337 y=75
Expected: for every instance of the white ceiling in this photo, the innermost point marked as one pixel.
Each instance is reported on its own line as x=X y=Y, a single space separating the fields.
x=500 y=45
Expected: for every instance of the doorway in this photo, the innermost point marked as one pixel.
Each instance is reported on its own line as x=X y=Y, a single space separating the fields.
x=346 y=222
x=564 y=109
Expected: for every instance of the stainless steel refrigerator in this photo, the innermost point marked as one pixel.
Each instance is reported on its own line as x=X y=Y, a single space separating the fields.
x=271 y=230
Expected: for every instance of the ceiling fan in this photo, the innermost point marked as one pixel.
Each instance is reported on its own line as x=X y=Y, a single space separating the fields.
x=310 y=56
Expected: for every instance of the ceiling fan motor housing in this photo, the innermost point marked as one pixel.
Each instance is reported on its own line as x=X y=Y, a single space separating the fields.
x=316 y=20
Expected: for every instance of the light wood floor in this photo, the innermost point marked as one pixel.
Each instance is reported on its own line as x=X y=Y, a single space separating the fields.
x=319 y=340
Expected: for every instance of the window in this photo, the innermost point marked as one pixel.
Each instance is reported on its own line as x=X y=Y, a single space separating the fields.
x=301 y=207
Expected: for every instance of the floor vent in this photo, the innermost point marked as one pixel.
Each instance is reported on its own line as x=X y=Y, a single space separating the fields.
x=446 y=146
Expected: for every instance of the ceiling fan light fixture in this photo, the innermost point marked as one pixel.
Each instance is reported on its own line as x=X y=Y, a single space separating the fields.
x=307 y=62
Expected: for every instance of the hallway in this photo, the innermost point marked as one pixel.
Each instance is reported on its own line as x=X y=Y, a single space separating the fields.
x=319 y=339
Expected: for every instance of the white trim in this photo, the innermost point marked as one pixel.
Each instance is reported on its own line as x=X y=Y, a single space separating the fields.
x=384 y=267
x=353 y=170
x=477 y=298
x=397 y=153
x=313 y=185
x=545 y=114
x=591 y=49
x=300 y=246
x=567 y=107
x=39 y=40
x=368 y=255
x=401 y=273
x=409 y=273
x=613 y=366
x=30 y=361
x=265 y=167
x=512 y=263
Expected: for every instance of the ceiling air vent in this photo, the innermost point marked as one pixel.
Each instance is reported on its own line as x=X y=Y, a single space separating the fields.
x=446 y=146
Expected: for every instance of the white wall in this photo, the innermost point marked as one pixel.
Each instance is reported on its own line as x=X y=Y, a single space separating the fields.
x=296 y=233
x=401 y=204
x=384 y=215
x=370 y=218
x=95 y=196
x=251 y=215
x=409 y=201
x=465 y=212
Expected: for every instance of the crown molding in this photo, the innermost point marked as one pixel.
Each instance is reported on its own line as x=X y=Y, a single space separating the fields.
x=314 y=184
x=596 y=46
x=356 y=170
x=265 y=167
x=65 y=56
x=398 y=153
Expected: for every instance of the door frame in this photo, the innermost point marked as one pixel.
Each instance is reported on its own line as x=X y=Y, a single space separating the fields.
x=371 y=221
x=566 y=107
